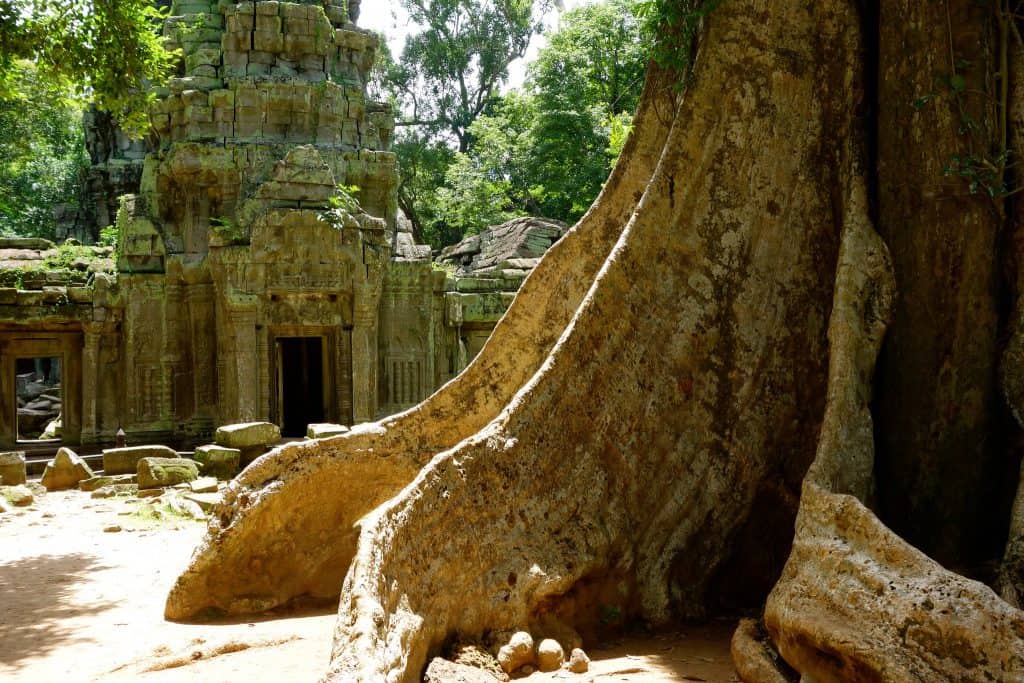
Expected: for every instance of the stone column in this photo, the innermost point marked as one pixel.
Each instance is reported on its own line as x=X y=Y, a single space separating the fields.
x=202 y=321
x=243 y=393
x=364 y=352
x=93 y=334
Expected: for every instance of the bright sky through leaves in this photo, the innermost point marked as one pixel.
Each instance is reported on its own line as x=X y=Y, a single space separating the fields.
x=389 y=18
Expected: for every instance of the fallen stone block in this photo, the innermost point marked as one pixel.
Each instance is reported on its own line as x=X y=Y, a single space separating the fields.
x=322 y=430
x=126 y=460
x=18 y=496
x=162 y=472
x=218 y=461
x=247 y=435
x=203 y=485
x=65 y=471
x=205 y=501
x=94 y=483
x=12 y=468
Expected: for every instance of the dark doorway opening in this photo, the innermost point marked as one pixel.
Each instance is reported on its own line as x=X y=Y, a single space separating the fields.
x=300 y=368
x=39 y=398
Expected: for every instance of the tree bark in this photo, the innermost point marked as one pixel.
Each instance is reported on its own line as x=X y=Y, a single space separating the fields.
x=686 y=375
x=938 y=403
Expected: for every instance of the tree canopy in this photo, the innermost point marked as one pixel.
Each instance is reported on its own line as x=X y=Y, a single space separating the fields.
x=108 y=50
x=543 y=150
x=42 y=151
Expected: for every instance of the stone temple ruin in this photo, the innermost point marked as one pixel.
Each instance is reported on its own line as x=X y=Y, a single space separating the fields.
x=235 y=293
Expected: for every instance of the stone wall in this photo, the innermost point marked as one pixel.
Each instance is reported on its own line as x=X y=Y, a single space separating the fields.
x=237 y=279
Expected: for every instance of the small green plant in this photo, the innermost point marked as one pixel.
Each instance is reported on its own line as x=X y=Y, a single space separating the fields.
x=343 y=203
x=227 y=229
x=672 y=28
x=109 y=236
x=449 y=268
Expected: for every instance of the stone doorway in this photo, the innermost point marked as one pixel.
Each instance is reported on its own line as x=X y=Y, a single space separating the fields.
x=301 y=389
x=39 y=398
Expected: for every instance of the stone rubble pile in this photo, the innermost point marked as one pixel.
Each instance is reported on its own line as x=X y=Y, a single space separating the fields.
x=509 y=656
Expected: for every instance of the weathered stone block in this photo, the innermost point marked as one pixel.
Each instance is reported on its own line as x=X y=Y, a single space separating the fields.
x=18 y=496
x=115 y=490
x=12 y=468
x=160 y=472
x=219 y=461
x=65 y=471
x=203 y=485
x=247 y=435
x=267 y=42
x=205 y=501
x=261 y=57
x=266 y=23
x=323 y=430
x=126 y=460
x=269 y=8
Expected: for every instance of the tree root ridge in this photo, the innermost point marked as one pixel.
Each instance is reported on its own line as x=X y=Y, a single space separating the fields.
x=858 y=603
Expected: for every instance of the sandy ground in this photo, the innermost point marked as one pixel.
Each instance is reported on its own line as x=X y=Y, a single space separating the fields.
x=78 y=603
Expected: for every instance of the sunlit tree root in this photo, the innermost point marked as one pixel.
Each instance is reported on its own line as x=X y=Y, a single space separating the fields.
x=285 y=528
x=617 y=478
x=755 y=656
x=858 y=603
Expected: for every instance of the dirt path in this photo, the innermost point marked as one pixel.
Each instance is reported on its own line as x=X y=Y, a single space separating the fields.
x=81 y=604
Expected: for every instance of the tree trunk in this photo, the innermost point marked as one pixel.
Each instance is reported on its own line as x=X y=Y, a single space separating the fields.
x=938 y=404
x=683 y=372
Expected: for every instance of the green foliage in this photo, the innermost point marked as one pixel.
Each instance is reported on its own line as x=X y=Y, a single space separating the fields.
x=423 y=164
x=619 y=127
x=109 y=236
x=226 y=229
x=544 y=151
x=595 y=59
x=488 y=185
x=343 y=205
x=449 y=72
x=111 y=50
x=42 y=153
x=547 y=151
x=671 y=26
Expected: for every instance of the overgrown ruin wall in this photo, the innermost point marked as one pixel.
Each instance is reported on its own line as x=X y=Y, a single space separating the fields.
x=237 y=289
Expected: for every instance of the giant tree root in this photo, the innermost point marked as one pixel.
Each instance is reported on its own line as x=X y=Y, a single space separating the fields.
x=617 y=477
x=286 y=526
x=858 y=603
x=726 y=343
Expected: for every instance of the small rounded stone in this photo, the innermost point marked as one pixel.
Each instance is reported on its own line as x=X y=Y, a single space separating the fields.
x=550 y=655
x=579 y=662
x=517 y=652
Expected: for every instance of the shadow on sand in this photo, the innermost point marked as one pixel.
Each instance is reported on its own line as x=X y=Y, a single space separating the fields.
x=37 y=598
